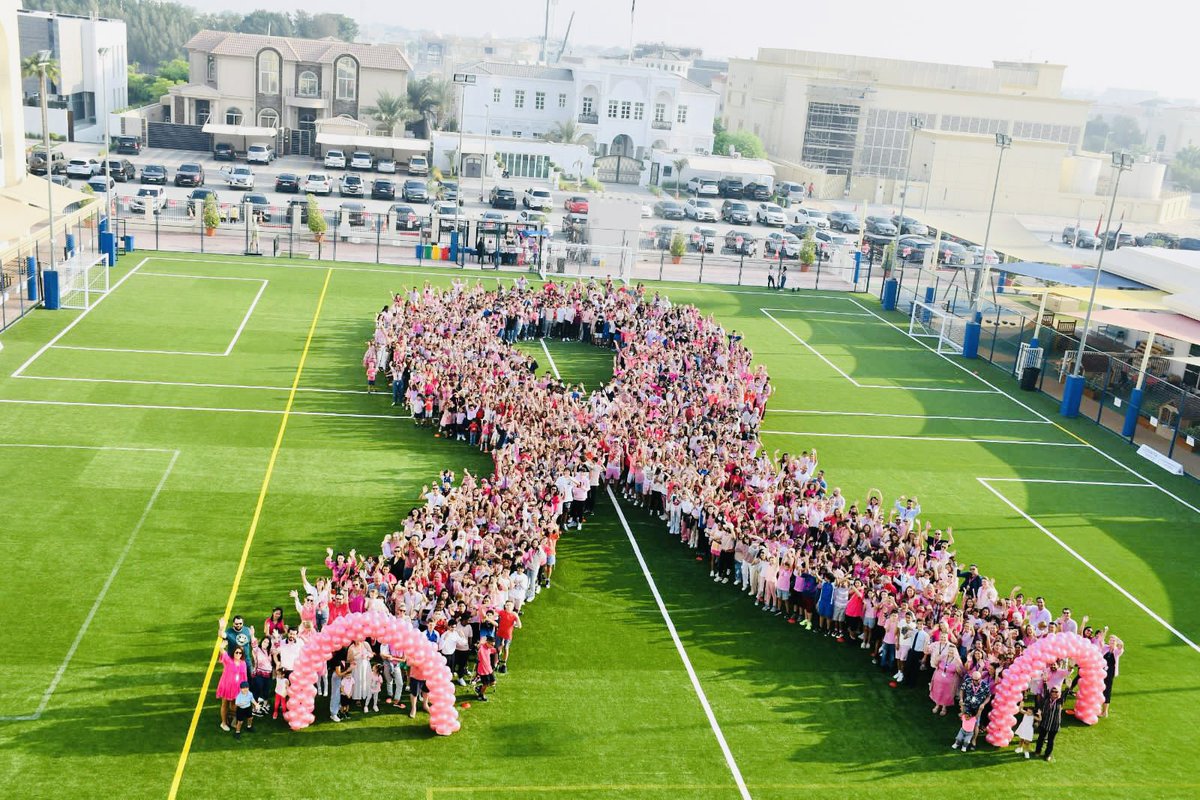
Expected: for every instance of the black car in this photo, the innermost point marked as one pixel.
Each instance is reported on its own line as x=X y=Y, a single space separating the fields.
x=730 y=187
x=668 y=209
x=1158 y=239
x=662 y=236
x=503 y=198
x=414 y=192
x=880 y=227
x=121 y=169
x=1113 y=240
x=128 y=145
x=406 y=217
x=189 y=175
x=223 y=152
x=845 y=221
x=740 y=243
x=288 y=182
x=756 y=191
x=354 y=214
x=954 y=254
x=912 y=248
x=800 y=230
x=297 y=208
x=259 y=206
x=154 y=173
x=383 y=189
x=736 y=212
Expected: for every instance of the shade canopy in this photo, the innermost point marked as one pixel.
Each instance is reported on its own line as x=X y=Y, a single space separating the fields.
x=32 y=191
x=17 y=219
x=1172 y=326
x=376 y=143
x=239 y=130
x=1069 y=276
x=1008 y=236
x=1146 y=300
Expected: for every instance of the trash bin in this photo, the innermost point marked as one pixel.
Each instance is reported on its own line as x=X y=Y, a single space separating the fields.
x=562 y=265
x=1029 y=378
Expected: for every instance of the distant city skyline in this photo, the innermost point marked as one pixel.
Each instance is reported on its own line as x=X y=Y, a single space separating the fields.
x=1102 y=44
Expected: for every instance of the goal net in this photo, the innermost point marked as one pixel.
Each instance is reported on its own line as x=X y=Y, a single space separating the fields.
x=933 y=322
x=588 y=261
x=82 y=280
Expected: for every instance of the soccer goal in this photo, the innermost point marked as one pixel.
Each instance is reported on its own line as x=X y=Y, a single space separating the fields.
x=588 y=261
x=933 y=322
x=82 y=280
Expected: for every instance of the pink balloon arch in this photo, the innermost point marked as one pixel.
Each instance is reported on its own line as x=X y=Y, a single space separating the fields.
x=426 y=663
x=1047 y=650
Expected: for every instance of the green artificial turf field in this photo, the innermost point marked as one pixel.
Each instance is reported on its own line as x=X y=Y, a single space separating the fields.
x=146 y=479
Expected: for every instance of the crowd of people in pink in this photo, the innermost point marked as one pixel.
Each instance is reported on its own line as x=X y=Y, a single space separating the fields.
x=675 y=431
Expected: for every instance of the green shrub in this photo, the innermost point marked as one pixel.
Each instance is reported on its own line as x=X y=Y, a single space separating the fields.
x=678 y=247
x=593 y=184
x=211 y=215
x=316 y=220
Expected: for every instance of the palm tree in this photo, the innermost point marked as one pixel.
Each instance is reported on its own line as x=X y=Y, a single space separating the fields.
x=680 y=164
x=431 y=97
x=391 y=110
x=29 y=69
x=566 y=132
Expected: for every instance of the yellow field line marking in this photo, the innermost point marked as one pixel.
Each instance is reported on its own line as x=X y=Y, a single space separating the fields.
x=432 y=791
x=237 y=578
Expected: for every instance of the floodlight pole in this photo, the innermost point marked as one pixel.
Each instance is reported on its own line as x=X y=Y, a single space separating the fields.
x=917 y=124
x=1073 y=391
x=43 y=62
x=463 y=79
x=1003 y=142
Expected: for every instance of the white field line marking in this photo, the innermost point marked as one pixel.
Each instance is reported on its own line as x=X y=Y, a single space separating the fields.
x=150 y=407
x=1072 y=483
x=236 y=335
x=62 y=668
x=687 y=662
x=846 y=375
x=925 y=438
x=92 y=447
x=199 y=277
x=815 y=311
x=1031 y=410
x=1090 y=566
x=553 y=366
x=901 y=416
x=186 y=383
x=78 y=319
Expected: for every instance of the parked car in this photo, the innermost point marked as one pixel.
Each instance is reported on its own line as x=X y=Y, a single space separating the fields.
x=706 y=187
x=801 y=230
x=1150 y=239
x=1085 y=240
x=703 y=240
x=502 y=198
x=700 y=210
x=647 y=211
x=418 y=165
x=287 y=182
x=756 y=191
x=668 y=209
x=538 y=218
x=82 y=168
x=977 y=257
x=154 y=173
x=845 y=221
x=831 y=240
x=414 y=191
x=121 y=169
x=361 y=159
x=37 y=161
x=740 y=243
x=730 y=187
x=1074 y=236
x=790 y=191
x=537 y=198
x=101 y=183
x=223 y=151
x=1113 y=240
x=351 y=185
x=1189 y=243
x=448 y=190
x=189 y=174
x=197 y=197
x=297 y=212
x=736 y=212
x=777 y=242
x=239 y=177
x=661 y=236
x=260 y=154
x=491 y=221
x=318 y=183
x=446 y=213
x=257 y=205
x=912 y=248
x=148 y=200
x=770 y=214
x=128 y=145
x=60 y=180
x=353 y=213
x=386 y=165
x=953 y=254
x=383 y=189
x=335 y=159
x=880 y=227
x=576 y=204
x=909 y=225
x=405 y=217
x=810 y=216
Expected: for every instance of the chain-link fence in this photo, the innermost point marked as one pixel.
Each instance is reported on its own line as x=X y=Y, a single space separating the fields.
x=21 y=266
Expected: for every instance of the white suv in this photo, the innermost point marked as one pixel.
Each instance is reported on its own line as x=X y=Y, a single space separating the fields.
x=418 y=165
x=318 y=183
x=361 y=160
x=149 y=200
x=703 y=187
x=335 y=159
x=538 y=198
x=700 y=210
x=770 y=214
x=260 y=154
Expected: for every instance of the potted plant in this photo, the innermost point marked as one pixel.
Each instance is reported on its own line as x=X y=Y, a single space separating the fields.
x=677 y=248
x=316 y=220
x=1193 y=432
x=808 y=251
x=211 y=215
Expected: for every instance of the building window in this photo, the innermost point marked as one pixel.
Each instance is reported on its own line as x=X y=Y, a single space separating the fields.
x=233 y=116
x=495 y=95
x=539 y=101
x=268 y=72
x=639 y=110
x=212 y=70
x=495 y=131
x=562 y=100
x=681 y=115
x=587 y=105
x=525 y=165
x=516 y=134
x=625 y=106
x=268 y=118
x=660 y=112
x=612 y=109
x=347 y=78
x=519 y=98
x=308 y=84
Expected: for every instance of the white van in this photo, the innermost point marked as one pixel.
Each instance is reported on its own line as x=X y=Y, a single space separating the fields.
x=418 y=165
x=792 y=192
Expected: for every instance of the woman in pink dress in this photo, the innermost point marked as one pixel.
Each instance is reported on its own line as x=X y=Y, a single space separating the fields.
x=233 y=672
x=947 y=674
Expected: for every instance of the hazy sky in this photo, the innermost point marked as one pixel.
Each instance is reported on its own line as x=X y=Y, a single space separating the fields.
x=1104 y=43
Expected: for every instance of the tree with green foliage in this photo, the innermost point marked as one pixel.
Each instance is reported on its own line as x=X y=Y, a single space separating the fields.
x=30 y=69
x=743 y=142
x=391 y=110
x=1124 y=133
x=1185 y=168
x=1095 y=134
x=316 y=220
x=565 y=132
x=680 y=164
x=211 y=214
x=433 y=99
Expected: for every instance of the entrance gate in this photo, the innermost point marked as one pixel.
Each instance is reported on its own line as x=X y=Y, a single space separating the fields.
x=618 y=169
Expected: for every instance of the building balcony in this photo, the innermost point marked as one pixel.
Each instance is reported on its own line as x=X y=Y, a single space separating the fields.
x=660 y=125
x=292 y=97
x=589 y=119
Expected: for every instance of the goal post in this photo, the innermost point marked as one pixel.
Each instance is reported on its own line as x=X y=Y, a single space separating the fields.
x=82 y=280
x=933 y=322
x=588 y=261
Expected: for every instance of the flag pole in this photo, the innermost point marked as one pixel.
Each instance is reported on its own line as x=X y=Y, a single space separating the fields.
x=632 y=10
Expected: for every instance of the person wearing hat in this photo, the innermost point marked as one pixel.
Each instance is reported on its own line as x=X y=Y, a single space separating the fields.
x=1049 y=720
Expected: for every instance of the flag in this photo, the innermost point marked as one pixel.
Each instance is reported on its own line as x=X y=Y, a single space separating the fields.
x=1098 y=223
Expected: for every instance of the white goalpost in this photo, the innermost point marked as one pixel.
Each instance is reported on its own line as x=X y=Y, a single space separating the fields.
x=82 y=280
x=588 y=261
x=933 y=322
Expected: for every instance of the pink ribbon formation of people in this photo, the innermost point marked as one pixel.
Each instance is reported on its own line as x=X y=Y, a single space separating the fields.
x=675 y=431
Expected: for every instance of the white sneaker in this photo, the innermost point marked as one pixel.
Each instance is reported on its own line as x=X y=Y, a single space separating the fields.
x=897 y=675
x=711 y=573
x=724 y=580
x=335 y=718
x=225 y=727
x=900 y=678
x=954 y=746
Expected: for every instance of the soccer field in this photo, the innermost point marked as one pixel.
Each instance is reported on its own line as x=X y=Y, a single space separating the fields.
x=184 y=447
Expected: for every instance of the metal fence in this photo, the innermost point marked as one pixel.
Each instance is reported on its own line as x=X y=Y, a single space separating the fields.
x=21 y=285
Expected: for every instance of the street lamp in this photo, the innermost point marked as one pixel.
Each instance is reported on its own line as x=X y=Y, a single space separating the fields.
x=1073 y=392
x=463 y=79
x=487 y=126
x=1003 y=142
x=43 y=63
x=917 y=124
